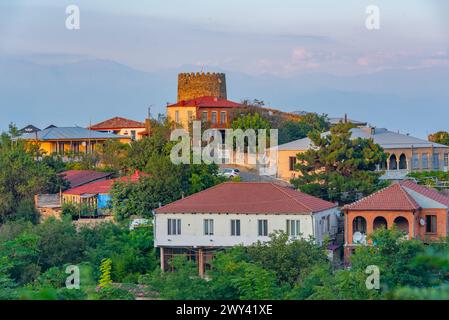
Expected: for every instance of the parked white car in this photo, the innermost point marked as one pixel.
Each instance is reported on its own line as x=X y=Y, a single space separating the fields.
x=136 y=223
x=229 y=173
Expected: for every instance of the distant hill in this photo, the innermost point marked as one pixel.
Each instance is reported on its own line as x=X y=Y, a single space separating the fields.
x=69 y=93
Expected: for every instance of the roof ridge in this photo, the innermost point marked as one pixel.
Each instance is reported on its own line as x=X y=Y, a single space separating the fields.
x=348 y=206
x=290 y=196
x=191 y=195
x=408 y=196
x=422 y=189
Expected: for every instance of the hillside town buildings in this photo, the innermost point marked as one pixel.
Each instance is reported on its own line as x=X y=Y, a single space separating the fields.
x=421 y=213
x=241 y=213
x=405 y=153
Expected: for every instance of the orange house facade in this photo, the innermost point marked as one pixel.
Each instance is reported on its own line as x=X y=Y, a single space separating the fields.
x=421 y=213
x=213 y=110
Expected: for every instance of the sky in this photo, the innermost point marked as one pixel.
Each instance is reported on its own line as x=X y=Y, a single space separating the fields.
x=323 y=47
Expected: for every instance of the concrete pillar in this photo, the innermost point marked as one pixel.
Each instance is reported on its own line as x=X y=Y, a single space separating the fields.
x=349 y=231
x=369 y=227
x=162 y=259
x=411 y=224
x=201 y=263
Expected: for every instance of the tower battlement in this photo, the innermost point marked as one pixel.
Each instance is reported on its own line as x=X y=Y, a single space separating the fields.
x=194 y=85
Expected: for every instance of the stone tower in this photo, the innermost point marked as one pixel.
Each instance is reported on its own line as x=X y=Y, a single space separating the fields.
x=195 y=85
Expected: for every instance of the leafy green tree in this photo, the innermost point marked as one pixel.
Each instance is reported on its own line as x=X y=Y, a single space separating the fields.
x=165 y=183
x=339 y=168
x=58 y=243
x=113 y=155
x=21 y=176
x=396 y=259
x=7 y=284
x=71 y=210
x=22 y=254
x=132 y=251
x=105 y=269
x=26 y=211
x=234 y=276
x=289 y=259
x=251 y=121
x=114 y=293
x=293 y=130
x=56 y=182
x=142 y=152
x=181 y=284
x=441 y=137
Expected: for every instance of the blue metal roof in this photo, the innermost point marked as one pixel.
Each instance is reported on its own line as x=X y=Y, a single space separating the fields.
x=67 y=133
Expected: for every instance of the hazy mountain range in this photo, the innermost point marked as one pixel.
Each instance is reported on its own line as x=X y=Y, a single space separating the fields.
x=65 y=93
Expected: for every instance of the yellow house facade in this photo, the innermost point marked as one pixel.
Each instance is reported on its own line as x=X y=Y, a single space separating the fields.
x=182 y=115
x=405 y=153
x=70 y=140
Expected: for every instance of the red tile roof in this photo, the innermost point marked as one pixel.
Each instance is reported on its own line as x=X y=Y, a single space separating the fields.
x=80 y=177
x=427 y=192
x=248 y=198
x=117 y=123
x=207 y=102
x=393 y=198
x=101 y=187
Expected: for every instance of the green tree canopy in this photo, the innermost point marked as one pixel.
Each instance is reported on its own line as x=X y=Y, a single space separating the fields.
x=22 y=175
x=339 y=168
x=293 y=130
x=441 y=137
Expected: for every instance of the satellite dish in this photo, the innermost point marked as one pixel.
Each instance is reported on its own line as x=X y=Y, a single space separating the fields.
x=422 y=222
x=357 y=236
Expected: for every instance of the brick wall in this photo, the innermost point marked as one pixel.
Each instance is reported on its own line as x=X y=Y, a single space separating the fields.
x=195 y=85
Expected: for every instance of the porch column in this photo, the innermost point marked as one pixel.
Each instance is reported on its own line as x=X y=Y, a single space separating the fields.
x=348 y=228
x=390 y=221
x=162 y=259
x=411 y=226
x=369 y=226
x=201 y=263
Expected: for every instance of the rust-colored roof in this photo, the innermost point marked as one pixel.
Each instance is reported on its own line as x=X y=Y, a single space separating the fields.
x=80 y=177
x=207 y=102
x=248 y=198
x=396 y=198
x=393 y=198
x=102 y=187
x=117 y=123
x=427 y=192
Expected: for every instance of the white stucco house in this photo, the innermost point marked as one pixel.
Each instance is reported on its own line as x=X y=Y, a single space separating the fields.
x=238 y=213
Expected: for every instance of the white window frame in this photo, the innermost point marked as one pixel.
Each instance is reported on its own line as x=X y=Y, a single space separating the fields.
x=173 y=227
x=235 y=228
x=212 y=117
x=223 y=120
x=262 y=227
x=208 y=227
x=293 y=228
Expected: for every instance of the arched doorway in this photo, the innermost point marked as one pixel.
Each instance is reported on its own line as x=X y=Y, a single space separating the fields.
x=359 y=225
x=402 y=162
x=402 y=224
x=393 y=163
x=359 y=230
x=379 y=222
